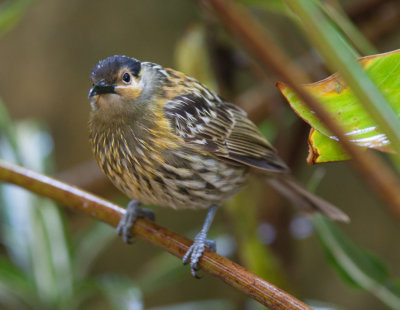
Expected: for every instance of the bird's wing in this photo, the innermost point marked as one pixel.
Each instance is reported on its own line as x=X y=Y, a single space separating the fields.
x=222 y=129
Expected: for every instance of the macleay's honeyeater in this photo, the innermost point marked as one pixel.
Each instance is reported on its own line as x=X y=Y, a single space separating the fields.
x=163 y=138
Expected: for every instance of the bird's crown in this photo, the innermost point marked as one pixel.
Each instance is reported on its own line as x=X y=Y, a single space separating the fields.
x=107 y=69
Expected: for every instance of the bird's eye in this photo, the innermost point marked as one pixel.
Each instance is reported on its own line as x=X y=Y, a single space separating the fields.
x=126 y=77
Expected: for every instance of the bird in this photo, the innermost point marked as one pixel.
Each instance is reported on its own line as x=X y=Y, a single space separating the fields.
x=165 y=139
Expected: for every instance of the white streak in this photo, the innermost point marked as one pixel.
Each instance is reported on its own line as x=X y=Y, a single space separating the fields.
x=376 y=140
x=360 y=131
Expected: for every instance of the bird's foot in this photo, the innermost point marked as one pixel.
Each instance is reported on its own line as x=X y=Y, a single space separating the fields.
x=132 y=212
x=196 y=251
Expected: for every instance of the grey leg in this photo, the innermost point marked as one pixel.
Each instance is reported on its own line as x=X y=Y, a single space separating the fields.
x=200 y=243
x=132 y=212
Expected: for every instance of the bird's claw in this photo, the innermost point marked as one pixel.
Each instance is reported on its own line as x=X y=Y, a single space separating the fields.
x=124 y=230
x=196 y=251
x=133 y=211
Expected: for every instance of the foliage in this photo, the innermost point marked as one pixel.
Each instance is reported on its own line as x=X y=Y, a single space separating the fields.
x=339 y=56
x=356 y=265
x=11 y=12
x=345 y=108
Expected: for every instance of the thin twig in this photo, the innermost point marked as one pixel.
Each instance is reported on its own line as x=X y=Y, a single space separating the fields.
x=271 y=56
x=103 y=210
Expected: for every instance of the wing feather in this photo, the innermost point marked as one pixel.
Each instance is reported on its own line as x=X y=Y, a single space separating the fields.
x=223 y=129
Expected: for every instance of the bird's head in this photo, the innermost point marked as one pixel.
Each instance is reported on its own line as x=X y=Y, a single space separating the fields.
x=121 y=81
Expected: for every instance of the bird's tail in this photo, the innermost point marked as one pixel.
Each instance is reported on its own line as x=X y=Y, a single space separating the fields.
x=306 y=200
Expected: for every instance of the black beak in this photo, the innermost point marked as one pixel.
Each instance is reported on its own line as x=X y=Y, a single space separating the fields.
x=101 y=88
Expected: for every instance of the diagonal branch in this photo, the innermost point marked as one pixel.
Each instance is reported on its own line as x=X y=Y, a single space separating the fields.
x=100 y=209
x=271 y=56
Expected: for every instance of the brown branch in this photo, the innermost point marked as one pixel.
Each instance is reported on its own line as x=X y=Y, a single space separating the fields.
x=271 y=56
x=103 y=210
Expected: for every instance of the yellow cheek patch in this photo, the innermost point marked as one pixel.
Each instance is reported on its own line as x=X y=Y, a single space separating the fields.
x=130 y=92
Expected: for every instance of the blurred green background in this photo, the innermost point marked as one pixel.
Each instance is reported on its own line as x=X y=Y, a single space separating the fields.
x=46 y=58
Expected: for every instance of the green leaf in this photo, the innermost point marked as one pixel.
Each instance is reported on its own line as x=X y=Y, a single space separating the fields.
x=268 y=129
x=161 y=271
x=11 y=12
x=194 y=42
x=323 y=149
x=8 y=134
x=89 y=245
x=121 y=292
x=276 y=6
x=33 y=230
x=357 y=266
x=338 y=16
x=16 y=290
x=338 y=99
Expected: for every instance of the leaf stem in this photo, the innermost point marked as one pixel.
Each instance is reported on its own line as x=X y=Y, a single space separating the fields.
x=339 y=17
